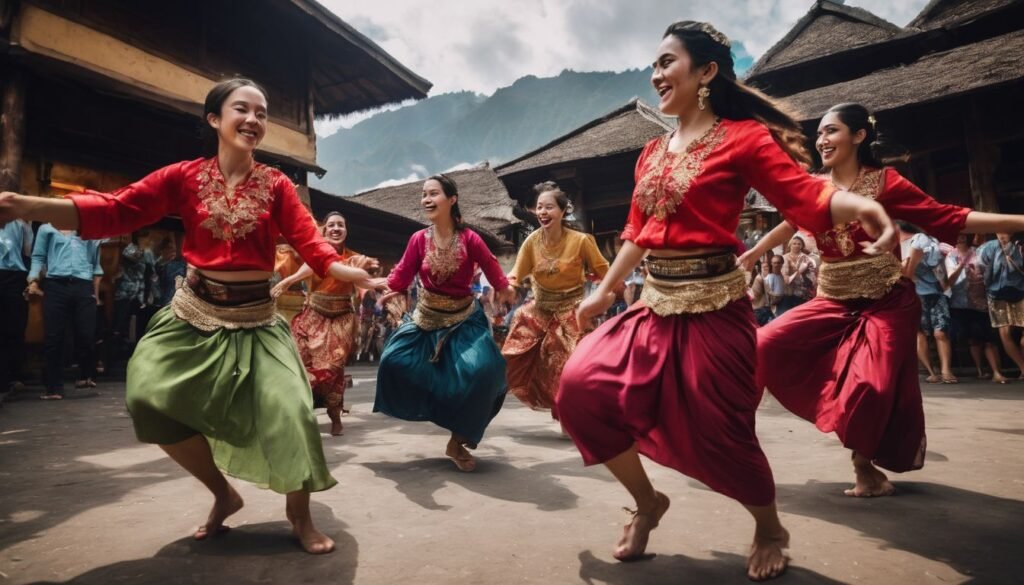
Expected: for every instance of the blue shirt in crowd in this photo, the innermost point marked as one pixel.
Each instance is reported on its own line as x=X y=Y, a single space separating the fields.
x=64 y=256
x=925 y=281
x=999 y=273
x=15 y=237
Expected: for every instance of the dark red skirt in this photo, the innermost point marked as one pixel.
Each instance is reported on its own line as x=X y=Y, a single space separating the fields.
x=851 y=367
x=681 y=388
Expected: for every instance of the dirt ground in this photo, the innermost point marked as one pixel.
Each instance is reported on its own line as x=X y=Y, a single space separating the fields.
x=83 y=502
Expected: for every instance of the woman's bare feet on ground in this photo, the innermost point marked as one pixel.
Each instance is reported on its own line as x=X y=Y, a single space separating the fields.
x=222 y=508
x=334 y=413
x=871 y=483
x=768 y=558
x=460 y=455
x=633 y=544
x=312 y=540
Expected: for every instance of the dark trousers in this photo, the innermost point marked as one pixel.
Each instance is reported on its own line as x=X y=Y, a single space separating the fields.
x=68 y=301
x=13 y=318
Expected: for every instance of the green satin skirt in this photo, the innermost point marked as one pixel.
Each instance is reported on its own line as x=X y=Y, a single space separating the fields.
x=245 y=390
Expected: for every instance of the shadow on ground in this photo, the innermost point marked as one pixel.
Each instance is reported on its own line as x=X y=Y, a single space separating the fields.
x=976 y=534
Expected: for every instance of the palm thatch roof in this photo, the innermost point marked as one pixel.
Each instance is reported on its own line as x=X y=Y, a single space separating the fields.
x=947 y=13
x=625 y=129
x=827 y=28
x=938 y=76
x=483 y=200
x=349 y=71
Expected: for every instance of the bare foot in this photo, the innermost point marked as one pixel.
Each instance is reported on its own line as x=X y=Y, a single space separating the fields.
x=768 y=558
x=222 y=508
x=334 y=413
x=922 y=451
x=312 y=540
x=633 y=544
x=871 y=483
x=462 y=457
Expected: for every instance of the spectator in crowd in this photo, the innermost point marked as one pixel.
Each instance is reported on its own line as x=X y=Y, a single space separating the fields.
x=634 y=285
x=775 y=285
x=968 y=307
x=1003 y=270
x=15 y=245
x=759 y=294
x=132 y=292
x=926 y=267
x=799 y=273
x=169 y=267
x=73 y=273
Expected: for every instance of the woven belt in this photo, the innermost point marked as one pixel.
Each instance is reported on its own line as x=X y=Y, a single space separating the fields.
x=208 y=317
x=227 y=294
x=690 y=267
x=686 y=296
x=864 y=278
x=330 y=305
x=552 y=301
x=437 y=311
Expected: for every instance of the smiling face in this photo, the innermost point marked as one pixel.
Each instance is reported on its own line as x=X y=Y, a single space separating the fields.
x=796 y=246
x=835 y=143
x=435 y=203
x=242 y=122
x=675 y=79
x=547 y=210
x=335 y=230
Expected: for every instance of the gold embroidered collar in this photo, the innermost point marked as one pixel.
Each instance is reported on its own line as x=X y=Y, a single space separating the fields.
x=666 y=176
x=867 y=184
x=443 y=261
x=233 y=213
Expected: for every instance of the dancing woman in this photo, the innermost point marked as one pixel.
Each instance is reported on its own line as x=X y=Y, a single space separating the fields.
x=544 y=331
x=325 y=329
x=216 y=381
x=857 y=338
x=673 y=376
x=290 y=300
x=442 y=365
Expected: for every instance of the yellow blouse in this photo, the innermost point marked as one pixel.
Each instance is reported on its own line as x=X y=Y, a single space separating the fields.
x=559 y=268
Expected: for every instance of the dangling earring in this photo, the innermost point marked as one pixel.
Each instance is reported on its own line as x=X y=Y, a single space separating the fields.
x=702 y=94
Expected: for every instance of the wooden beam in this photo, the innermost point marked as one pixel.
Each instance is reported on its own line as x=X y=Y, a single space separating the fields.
x=12 y=127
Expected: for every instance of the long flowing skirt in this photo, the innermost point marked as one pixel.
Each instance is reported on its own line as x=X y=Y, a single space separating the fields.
x=535 y=351
x=325 y=344
x=461 y=391
x=245 y=389
x=679 y=387
x=850 y=367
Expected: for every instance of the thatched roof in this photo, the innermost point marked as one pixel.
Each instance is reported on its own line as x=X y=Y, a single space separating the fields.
x=351 y=72
x=947 y=13
x=934 y=77
x=627 y=128
x=483 y=200
x=826 y=29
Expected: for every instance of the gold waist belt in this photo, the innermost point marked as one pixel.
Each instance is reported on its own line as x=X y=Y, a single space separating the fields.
x=865 y=278
x=437 y=311
x=678 y=297
x=330 y=305
x=553 y=301
x=691 y=267
x=208 y=317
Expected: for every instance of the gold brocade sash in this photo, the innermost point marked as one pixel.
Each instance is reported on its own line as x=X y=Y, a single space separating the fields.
x=208 y=317
x=864 y=278
x=703 y=295
x=330 y=305
x=556 y=301
x=437 y=311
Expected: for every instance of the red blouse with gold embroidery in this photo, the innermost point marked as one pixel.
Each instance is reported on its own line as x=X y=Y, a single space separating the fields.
x=224 y=230
x=901 y=200
x=694 y=199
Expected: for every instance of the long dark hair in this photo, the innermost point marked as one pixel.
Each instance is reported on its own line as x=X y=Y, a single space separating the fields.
x=561 y=199
x=214 y=103
x=450 y=190
x=876 y=149
x=732 y=99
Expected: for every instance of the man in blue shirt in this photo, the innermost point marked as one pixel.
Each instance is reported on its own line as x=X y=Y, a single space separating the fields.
x=1003 y=268
x=925 y=264
x=15 y=246
x=73 y=272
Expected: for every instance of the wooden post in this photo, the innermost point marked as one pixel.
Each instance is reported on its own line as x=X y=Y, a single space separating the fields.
x=983 y=158
x=12 y=130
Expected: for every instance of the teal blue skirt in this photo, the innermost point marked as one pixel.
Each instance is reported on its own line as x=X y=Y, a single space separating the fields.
x=462 y=391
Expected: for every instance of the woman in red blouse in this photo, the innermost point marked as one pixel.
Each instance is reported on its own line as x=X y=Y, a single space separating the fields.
x=673 y=377
x=859 y=376
x=216 y=381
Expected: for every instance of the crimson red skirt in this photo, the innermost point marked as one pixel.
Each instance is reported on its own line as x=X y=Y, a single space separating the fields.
x=851 y=367
x=681 y=388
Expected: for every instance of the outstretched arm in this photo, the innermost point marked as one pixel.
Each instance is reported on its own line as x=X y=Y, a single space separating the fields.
x=780 y=235
x=59 y=212
x=980 y=222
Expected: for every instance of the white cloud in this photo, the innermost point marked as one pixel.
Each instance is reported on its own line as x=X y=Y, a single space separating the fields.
x=392 y=182
x=482 y=45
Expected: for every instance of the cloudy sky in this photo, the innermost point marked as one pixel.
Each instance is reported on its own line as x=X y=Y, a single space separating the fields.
x=481 y=45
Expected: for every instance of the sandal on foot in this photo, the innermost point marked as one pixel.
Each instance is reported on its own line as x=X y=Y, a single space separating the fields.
x=950 y=380
x=933 y=379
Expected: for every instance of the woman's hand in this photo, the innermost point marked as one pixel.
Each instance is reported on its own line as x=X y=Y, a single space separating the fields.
x=593 y=306
x=747 y=259
x=279 y=288
x=505 y=295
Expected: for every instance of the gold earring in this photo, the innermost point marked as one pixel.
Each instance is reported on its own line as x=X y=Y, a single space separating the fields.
x=702 y=94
